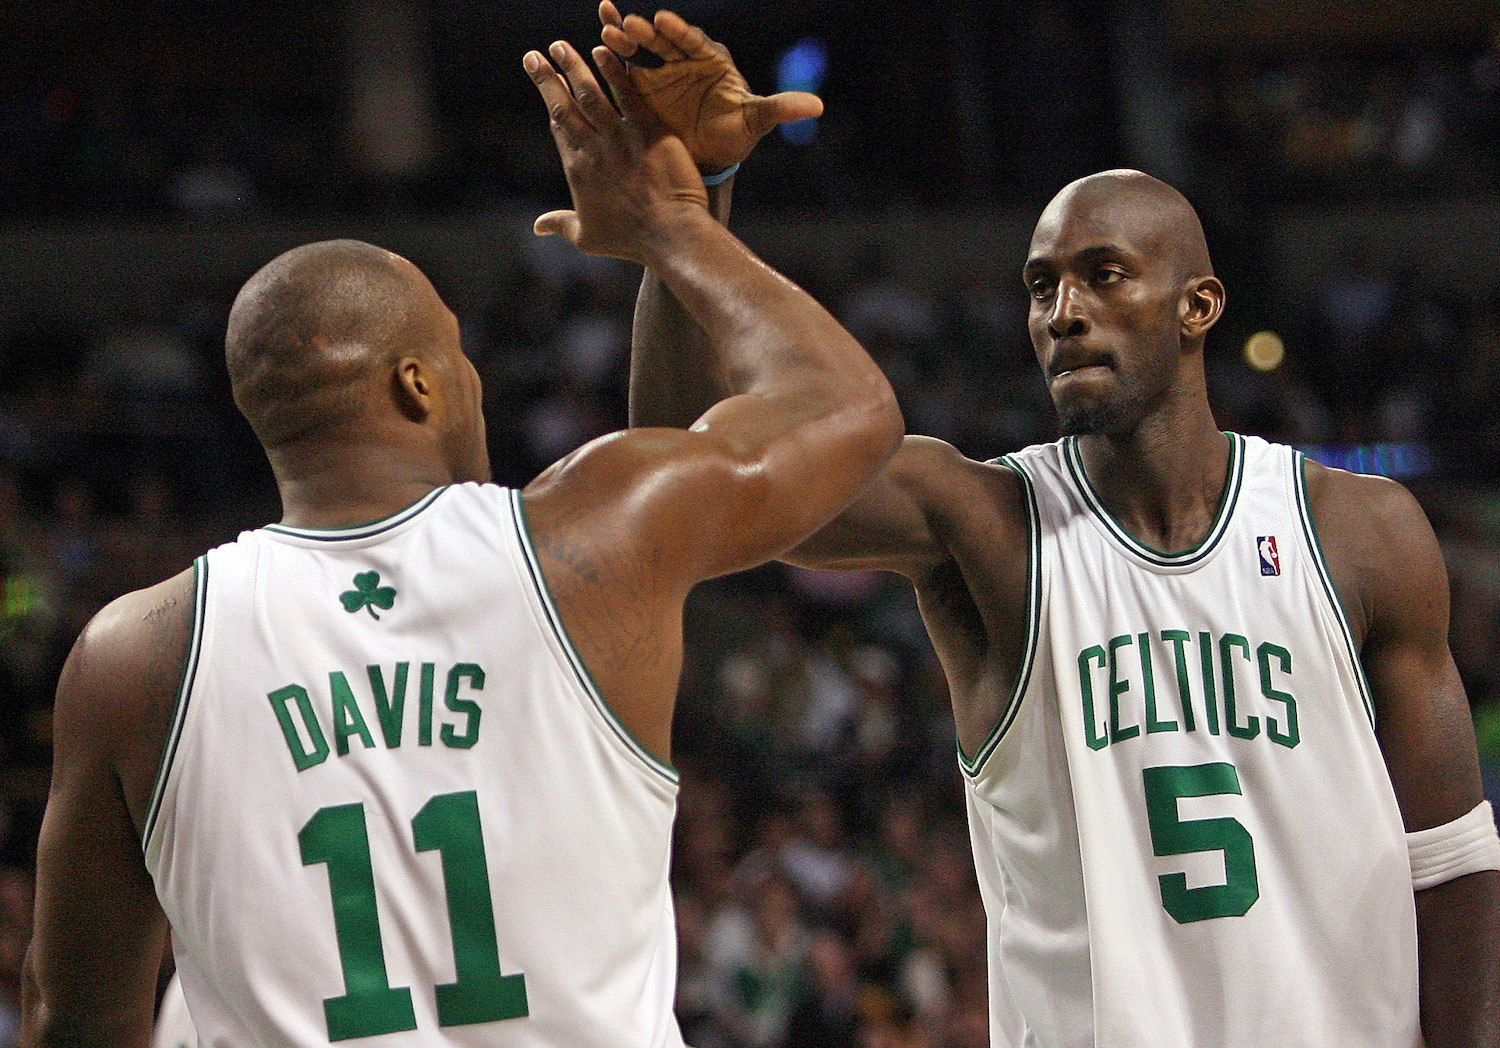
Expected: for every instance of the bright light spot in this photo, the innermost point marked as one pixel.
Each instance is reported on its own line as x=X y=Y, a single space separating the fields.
x=1264 y=351
x=801 y=68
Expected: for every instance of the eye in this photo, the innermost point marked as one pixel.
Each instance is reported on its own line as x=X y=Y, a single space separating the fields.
x=1108 y=275
x=1040 y=288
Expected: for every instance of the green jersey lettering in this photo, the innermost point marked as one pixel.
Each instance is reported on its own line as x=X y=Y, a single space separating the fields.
x=1291 y=736
x=1095 y=738
x=389 y=709
x=424 y=705
x=303 y=757
x=347 y=720
x=1148 y=685
x=1210 y=696
x=1118 y=687
x=1251 y=728
x=1178 y=639
x=468 y=707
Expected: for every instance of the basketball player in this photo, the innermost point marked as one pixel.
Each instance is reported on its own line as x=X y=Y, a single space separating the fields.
x=1221 y=774
x=399 y=765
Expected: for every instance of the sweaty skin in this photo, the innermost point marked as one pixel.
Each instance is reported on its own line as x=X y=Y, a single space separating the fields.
x=347 y=365
x=1122 y=295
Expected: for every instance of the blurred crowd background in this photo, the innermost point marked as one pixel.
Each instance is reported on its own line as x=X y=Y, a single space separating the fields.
x=1345 y=157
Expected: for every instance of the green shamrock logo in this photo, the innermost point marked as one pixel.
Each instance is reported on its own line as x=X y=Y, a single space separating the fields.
x=368 y=593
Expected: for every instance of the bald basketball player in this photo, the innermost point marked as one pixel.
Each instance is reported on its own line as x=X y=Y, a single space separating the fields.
x=398 y=766
x=1221 y=775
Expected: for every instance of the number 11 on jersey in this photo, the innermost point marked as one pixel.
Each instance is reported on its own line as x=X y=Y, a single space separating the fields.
x=448 y=824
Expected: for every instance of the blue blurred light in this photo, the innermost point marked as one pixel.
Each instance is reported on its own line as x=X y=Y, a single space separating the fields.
x=801 y=68
x=1398 y=460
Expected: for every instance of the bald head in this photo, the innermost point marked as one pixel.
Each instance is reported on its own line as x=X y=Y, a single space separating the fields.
x=1122 y=296
x=1156 y=220
x=313 y=332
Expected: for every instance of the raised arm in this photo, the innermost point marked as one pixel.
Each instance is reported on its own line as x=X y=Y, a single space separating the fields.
x=807 y=418
x=626 y=525
x=1390 y=574
x=698 y=93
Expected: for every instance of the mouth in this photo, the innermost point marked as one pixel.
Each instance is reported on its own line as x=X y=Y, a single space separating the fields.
x=1068 y=364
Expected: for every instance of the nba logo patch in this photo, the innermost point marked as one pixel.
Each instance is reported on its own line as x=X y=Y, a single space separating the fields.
x=1270 y=561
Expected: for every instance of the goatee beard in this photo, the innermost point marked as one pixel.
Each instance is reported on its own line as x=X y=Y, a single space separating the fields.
x=1088 y=420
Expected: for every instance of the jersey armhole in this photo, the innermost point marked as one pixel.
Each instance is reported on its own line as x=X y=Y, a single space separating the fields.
x=973 y=767
x=574 y=658
x=1320 y=565
x=179 y=711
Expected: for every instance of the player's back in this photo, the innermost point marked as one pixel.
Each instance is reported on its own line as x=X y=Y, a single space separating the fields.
x=393 y=803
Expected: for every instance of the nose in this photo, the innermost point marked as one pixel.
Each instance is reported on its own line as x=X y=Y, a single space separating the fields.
x=1066 y=319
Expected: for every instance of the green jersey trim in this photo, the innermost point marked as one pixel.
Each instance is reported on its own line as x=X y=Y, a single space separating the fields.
x=359 y=531
x=1161 y=558
x=1320 y=561
x=575 y=660
x=1033 y=625
x=184 y=692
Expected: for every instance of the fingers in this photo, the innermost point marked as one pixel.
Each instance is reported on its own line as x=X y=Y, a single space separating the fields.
x=618 y=41
x=689 y=39
x=645 y=35
x=763 y=114
x=627 y=95
x=609 y=14
x=568 y=122
x=558 y=223
x=586 y=90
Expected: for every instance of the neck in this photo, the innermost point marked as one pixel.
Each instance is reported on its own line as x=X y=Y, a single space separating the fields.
x=1163 y=481
x=331 y=485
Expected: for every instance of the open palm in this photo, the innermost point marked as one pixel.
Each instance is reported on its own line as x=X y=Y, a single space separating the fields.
x=697 y=92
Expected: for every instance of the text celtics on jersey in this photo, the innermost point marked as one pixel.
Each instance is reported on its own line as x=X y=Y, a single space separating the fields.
x=305 y=739
x=1227 y=684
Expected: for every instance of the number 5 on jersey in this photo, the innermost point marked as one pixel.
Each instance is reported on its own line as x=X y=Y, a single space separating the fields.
x=1173 y=835
x=449 y=825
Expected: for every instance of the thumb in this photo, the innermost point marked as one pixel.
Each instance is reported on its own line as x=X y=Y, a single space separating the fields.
x=762 y=114
x=558 y=223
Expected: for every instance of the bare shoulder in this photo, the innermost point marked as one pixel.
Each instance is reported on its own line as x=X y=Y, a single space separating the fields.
x=964 y=499
x=588 y=505
x=951 y=489
x=137 y=634
x=935 y=465
x=1379 y=545
x=118 y=688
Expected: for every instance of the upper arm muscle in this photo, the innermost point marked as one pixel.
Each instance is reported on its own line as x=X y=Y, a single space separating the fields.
x=99 y=932
x=1389 y=570
x=888 y=527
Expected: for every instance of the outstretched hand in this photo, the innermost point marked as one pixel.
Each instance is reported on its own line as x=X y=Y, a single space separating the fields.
x=633 y=183
x=697 y=92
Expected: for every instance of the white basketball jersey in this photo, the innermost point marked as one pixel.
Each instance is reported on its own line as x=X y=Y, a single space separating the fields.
x=393 y=807
x=1184 y=831
x=174 y=1026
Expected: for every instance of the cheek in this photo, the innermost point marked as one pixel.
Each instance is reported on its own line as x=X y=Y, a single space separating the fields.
x=1036 y=327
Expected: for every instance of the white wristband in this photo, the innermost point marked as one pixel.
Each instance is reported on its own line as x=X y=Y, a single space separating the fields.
x=1468 y=844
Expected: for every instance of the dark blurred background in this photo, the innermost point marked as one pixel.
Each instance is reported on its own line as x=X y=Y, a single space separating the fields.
x=1345 y=158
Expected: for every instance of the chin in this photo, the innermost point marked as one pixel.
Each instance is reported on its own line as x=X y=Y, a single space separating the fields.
x=1095 y=419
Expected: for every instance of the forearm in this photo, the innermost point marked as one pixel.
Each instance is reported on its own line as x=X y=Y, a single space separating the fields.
x=671 y=383
x=44 y=1025
x=1458 y=930
x=761 y=333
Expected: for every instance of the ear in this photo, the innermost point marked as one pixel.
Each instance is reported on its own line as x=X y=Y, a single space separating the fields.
x=1202 y=305
x=413 y=389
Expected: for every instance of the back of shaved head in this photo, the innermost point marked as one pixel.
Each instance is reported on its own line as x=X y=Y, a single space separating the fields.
x=1152 y=210
x=311 y=330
